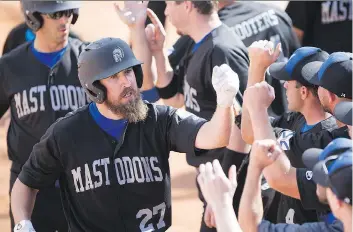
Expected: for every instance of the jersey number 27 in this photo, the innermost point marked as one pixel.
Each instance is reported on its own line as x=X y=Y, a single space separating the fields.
x=148 y=214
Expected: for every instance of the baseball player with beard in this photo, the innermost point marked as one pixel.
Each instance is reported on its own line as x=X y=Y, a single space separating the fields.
x=111 y=156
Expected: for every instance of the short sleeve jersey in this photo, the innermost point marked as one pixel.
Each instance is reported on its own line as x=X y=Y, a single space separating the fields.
x=109 y=185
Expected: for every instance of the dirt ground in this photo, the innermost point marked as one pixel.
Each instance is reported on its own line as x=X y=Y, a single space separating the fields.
x=94 y=24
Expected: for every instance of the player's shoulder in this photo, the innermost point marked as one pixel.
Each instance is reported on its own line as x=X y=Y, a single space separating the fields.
x=71 y=121
x=16 y=54
x=224 y=37
x=159 y=112
x=77 y=45
x=329 y=124
x=18 y=31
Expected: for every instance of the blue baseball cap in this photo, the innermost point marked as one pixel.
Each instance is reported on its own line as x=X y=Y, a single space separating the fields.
x=335 y=74
x=343 y=112
x=314 y=155
x=335 y=172
x=293 y=68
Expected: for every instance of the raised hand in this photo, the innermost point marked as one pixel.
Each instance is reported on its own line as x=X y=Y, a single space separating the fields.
x=155 y=33
x=217 y=189
x=262 y=53
x=226 y=84
x=134 y=13
x=264 y=153
x=259 y=96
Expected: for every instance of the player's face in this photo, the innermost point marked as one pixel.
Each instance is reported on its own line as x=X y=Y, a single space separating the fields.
x=321 y=194
x=324 y=99
x=176 y=13
x=57 y=28
x=293 y=96
x=123 y=96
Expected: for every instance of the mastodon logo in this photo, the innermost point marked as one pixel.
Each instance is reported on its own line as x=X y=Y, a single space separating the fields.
x=118 y=54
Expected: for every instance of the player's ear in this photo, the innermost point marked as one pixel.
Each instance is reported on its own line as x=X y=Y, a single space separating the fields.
x=304 y=92
x=335 y=204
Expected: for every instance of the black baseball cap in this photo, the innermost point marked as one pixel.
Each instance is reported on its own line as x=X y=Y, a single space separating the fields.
x=335 y=74
x=314 y=155
x=343 y=112
x=292 y=69
x=335 y=172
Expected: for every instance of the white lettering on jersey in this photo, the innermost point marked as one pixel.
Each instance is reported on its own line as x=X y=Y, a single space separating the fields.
x=256 y=24
x=76 y=173
x=336 y=11
x=284 y=139
x=189 y=97
x=128 y=170
x=62 y=97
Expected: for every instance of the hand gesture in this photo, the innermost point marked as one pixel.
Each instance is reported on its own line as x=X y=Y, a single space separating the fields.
x=133 y=14
x=217 y=189
x=226 y=84
x=259 y=96
x=209 y=217
x=262 y=54
x=264 y=153
x=155 y=33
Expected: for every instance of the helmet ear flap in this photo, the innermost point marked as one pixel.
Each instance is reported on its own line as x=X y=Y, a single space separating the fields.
x=139 y=75
x=97 y=92
x=75 y=16
x=34 y=21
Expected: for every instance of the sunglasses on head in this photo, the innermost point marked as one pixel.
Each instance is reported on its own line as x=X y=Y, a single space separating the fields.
x=60 y=14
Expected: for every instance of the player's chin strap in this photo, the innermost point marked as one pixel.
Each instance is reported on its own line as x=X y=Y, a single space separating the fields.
x=24 y=226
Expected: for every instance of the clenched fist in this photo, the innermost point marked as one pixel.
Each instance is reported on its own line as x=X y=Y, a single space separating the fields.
x=226 y=84
x=259 y=96
x=264 y=153
x=262 y=54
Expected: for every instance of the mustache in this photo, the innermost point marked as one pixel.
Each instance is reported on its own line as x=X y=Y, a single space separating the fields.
x=127 y=90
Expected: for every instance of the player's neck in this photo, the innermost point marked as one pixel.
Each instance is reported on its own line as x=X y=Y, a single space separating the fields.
x=203 y=25
x=103 y=109
x=42 y=44
x=314 y=113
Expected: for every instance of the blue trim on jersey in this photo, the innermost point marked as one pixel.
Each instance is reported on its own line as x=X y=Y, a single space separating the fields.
x=307 y=127
x=198 y=44
x=29 y=35
x=49 y=59
x=114 y=128
x=150 y=95
x=328 y=218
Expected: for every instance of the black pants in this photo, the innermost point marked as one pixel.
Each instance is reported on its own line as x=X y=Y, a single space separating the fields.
x=48 y=214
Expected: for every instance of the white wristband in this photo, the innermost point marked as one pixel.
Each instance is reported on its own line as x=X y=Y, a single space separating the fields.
x=24 y=226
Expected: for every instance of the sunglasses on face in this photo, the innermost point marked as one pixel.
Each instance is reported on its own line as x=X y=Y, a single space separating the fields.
x=60 y=14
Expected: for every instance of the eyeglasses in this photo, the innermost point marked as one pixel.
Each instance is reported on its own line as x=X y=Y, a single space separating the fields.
x=60 y=14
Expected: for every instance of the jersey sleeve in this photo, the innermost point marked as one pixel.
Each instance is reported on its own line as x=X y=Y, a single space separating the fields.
x=43 y=167
x=182 y=130
x=267 y=226
x=4 y=101
x=307 y=191
x=235 y=59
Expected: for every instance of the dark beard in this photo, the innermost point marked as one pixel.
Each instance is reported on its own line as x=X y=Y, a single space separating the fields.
x=134 y=111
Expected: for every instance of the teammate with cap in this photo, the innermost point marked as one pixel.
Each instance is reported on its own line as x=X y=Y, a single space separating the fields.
x=111 y=156
x=306 y=117
x=39 y=84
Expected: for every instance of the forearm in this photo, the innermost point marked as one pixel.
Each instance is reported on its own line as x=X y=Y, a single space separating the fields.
x=164 y=70
x=251 y=209
x=256 y=75
x=226 y=221
x=236 y=143
x=216 y=132
x=142 y=53
x=22 y=201
x=261 y=124
x=282 y=177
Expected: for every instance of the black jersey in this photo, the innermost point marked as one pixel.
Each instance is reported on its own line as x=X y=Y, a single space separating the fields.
x=37 y=95
x=110 y=185
x=17 y=36
x=221 y=46
x=326 y=24
x=290 y=209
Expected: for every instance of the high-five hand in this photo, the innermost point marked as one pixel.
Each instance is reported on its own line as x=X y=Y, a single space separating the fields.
x=133 y=14
x=155 y=33
x=226 y=84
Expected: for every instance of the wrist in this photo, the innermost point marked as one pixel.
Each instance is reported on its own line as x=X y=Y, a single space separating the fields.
x=24 y=225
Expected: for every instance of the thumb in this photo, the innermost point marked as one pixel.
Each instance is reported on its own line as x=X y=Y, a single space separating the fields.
x=232 y=175
x=117 y=8
x=277 y=51
x=150 y=32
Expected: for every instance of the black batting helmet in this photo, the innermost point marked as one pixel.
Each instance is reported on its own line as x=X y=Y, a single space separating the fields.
x=33 y=9
x=102 y=59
